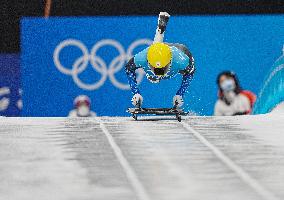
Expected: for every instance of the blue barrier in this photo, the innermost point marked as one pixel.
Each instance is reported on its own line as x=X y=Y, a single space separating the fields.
x=64 y=57
x=10 y=92
x=272 y=91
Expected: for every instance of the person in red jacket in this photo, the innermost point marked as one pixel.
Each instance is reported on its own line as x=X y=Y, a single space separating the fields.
x=232 y=99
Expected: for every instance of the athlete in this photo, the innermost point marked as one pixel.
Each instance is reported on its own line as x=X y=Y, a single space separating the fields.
x=161 y=61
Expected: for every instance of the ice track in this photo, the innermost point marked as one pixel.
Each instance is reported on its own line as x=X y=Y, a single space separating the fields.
x=201 y=158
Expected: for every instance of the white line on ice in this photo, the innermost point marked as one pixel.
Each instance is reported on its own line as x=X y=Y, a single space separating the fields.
x=233 y=166
x=131 y=175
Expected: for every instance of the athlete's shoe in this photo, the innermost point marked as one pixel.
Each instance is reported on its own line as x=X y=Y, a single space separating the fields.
x=163 y=21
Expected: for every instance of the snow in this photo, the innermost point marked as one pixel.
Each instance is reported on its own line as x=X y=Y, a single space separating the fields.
x=279 y=109
x=156 y=158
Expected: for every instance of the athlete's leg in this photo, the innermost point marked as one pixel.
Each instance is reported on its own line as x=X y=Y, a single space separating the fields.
x=162 y=24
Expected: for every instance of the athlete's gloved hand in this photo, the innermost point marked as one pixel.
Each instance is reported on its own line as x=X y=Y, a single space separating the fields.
x=137 y=100
x=178 y=101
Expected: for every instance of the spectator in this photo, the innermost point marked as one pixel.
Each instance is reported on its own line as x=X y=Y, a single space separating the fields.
x=232 y=100
x=82 y=107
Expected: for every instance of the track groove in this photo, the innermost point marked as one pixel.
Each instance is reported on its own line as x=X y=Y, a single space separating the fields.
x=130 y=173
x=254 y=184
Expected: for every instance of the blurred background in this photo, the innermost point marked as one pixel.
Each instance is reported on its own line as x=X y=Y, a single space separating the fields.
x=43 y=44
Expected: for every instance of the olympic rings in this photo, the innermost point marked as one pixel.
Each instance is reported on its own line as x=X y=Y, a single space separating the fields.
x=98 y=64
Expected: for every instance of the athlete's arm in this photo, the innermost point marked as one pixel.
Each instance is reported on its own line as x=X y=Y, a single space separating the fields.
x=130 y=69
x=187 y=76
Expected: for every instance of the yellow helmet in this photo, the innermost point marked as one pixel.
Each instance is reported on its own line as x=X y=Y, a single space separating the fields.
x=159 y=57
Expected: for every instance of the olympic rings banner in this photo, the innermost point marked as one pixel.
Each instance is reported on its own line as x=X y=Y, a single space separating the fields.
x=62 y=58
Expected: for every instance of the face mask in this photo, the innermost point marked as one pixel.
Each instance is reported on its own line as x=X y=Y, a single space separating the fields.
x=83 y=111
x=228 y=85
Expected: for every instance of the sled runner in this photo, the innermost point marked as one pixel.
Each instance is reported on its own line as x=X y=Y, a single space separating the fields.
x=156 y=111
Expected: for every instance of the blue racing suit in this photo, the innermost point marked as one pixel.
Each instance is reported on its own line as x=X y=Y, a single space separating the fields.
x=182 y=63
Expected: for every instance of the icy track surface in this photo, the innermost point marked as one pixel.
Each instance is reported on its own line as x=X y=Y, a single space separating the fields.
x=201 y=158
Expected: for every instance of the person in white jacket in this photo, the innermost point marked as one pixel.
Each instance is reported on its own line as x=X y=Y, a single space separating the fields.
x=82 y=107
x=232 y=100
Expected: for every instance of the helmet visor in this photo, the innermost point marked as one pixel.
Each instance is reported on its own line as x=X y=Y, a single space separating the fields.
x=160 y=71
